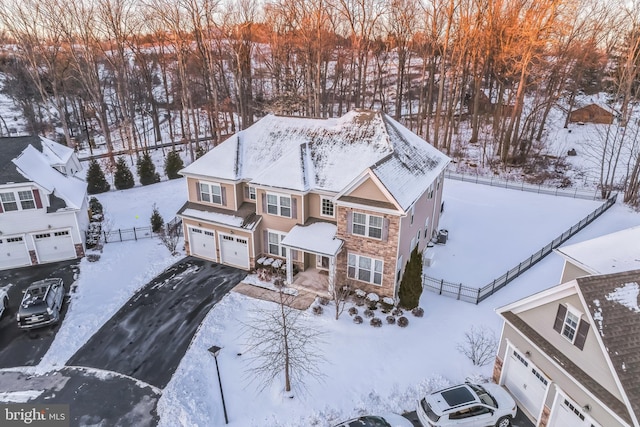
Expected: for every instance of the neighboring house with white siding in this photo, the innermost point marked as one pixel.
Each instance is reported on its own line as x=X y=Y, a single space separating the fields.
x=570 y=355
x=43 y=204
x=346 y=197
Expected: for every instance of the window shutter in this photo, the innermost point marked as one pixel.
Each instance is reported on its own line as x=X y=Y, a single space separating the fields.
x=349 y=222
x=265 y=241
x=264 y=203
x=385 y=229
x=223 y=195
x=246 y=191
x=294 y=208
x=198 y=196
x=36 y=197
x=557 y=325
x=1 y=210
x=581 y=335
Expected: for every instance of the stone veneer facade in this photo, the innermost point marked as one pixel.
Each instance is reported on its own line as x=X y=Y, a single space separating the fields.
x=374 y=248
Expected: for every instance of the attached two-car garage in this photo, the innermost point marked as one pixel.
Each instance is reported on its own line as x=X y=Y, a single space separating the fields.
x=50 y=246
x=234 y=250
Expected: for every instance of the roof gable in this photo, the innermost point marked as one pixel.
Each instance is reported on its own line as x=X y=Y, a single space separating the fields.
x=325 y=154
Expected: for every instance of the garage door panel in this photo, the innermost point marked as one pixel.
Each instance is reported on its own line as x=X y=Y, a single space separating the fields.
x=54 y=246
x=202 y=243
x=568 y=413
x=234 y=250
x=13 y=252
x=526 y=382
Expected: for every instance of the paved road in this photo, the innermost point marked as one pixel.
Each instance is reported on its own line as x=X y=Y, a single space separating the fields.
x=94 y=398
x=18 y=347
x=147 y=338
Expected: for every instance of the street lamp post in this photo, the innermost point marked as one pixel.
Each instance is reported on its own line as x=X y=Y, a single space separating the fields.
x=215 y=350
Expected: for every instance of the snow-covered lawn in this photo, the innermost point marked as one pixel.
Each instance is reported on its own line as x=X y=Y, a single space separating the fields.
x=366 y=369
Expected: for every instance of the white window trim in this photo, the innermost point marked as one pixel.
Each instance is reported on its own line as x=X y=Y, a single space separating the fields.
x=372 y=270
x=279 y=206
x=210 y=185
x=571 y=310
x=322 y=200
x=254 y=193
x=413 y=211
x=17 y=200
x=282 y=251
x=367 y=225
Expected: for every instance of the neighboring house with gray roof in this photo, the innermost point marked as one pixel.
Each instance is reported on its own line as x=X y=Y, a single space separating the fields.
x=347 y=198
x=43 y=203
x=570 y=355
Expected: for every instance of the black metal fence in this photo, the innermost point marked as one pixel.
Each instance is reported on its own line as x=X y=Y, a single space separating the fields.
x=522 y=186
x=136 y=233
x=475 y=295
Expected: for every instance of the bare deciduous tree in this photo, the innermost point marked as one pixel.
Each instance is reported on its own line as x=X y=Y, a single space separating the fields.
x=479 y=345
x=281 y=343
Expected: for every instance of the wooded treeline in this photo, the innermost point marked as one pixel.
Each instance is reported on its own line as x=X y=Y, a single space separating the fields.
x=485 y=72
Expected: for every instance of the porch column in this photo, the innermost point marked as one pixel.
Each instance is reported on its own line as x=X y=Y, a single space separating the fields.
x=289 y=267
x=332 y=273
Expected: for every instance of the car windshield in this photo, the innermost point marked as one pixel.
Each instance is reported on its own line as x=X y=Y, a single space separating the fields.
x=34 y=296
x=369 y=421
x=484 y=395
x=427 y=410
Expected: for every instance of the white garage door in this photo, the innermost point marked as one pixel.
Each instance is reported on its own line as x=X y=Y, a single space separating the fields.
x=525 y=382
x=566 y=412
x=234 y=251
x=54 y=246
x=202 y=243
x=13 y=252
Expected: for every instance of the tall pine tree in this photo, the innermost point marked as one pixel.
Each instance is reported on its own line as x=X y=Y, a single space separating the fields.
x=123 y=178
x=147 y=170
x=411 y=284
x=173 y=164
x=96 y=182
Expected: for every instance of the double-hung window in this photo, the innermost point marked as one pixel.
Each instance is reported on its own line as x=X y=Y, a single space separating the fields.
x=26 y=200
x=570 y=326
x=367 y=225
x=8 y=202
x=252 y=193
x=326 y=208
x=275 y=248
x=279 y=205
x=211 y=193
x=365 y=269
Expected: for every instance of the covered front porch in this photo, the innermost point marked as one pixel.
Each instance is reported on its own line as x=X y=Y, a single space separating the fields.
x=317 y=248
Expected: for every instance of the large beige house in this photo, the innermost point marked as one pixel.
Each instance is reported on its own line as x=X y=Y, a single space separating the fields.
x=347 y=198
x=570 y=355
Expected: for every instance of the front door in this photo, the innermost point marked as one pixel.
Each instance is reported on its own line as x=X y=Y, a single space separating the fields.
x=322 y=262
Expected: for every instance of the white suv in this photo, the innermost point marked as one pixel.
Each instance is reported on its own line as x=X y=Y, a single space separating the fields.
x=468 y=405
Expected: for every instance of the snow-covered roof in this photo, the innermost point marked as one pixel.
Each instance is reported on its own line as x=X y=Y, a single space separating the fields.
x=34 y=166
x=611 y=253
x=54 y=152
x=304 y=154
x=245 y=217
x=319 y=237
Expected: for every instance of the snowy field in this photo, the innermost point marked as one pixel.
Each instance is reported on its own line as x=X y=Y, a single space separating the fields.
x=366 y=369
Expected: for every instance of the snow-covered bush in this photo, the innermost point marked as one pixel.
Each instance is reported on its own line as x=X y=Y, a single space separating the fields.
x=387 y=304
x=403 y=322
x=359 y=293
x=368 y=313
x=323 y=300
x=372 y=300
x=357 y=319
x=397 y=312
x=479 y=345
x=417 y=312
x=376 y=322
x=391 y=320
x=353 y=311
x=317 y=310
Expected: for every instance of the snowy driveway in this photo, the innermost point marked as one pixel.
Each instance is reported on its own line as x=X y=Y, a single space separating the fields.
x=148 y=336
x=17 y=347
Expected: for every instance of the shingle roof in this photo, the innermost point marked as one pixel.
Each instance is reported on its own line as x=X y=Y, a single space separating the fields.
x=10 y=148
x=614 y=306
x=326 y=154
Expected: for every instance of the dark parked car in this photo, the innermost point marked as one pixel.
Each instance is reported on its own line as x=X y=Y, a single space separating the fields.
x=41 y=304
